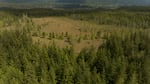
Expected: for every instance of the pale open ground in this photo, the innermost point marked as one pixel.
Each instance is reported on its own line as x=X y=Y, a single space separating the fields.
x=75 y=28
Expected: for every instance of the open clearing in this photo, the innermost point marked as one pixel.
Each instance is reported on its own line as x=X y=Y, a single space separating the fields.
x=74 y=29
x=68 y=32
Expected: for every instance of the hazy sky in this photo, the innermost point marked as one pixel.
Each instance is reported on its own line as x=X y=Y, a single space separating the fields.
x=125 y=2
x=142 y=1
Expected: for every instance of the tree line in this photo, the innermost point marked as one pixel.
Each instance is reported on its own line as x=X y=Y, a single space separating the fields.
x=122 y=18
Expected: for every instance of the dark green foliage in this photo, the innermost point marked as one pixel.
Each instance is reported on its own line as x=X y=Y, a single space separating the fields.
x=50 y=36
x=119 y=18
x=43 y=34
x=122 y=59
x=123 y=56
x=43 y=12
x=34 y=34
x=7 y=19
x=69 y=39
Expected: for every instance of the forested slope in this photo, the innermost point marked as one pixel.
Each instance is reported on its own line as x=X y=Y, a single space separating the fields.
x=122 y=59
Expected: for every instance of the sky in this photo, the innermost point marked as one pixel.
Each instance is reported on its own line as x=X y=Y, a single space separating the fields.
x=87 y=2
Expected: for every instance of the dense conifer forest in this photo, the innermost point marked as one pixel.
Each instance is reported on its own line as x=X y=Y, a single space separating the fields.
x=122 y=58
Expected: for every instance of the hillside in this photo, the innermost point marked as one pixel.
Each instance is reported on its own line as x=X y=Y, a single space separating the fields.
x=47 y=46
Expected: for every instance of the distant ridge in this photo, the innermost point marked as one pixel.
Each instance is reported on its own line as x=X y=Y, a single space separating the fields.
x=71 y=3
